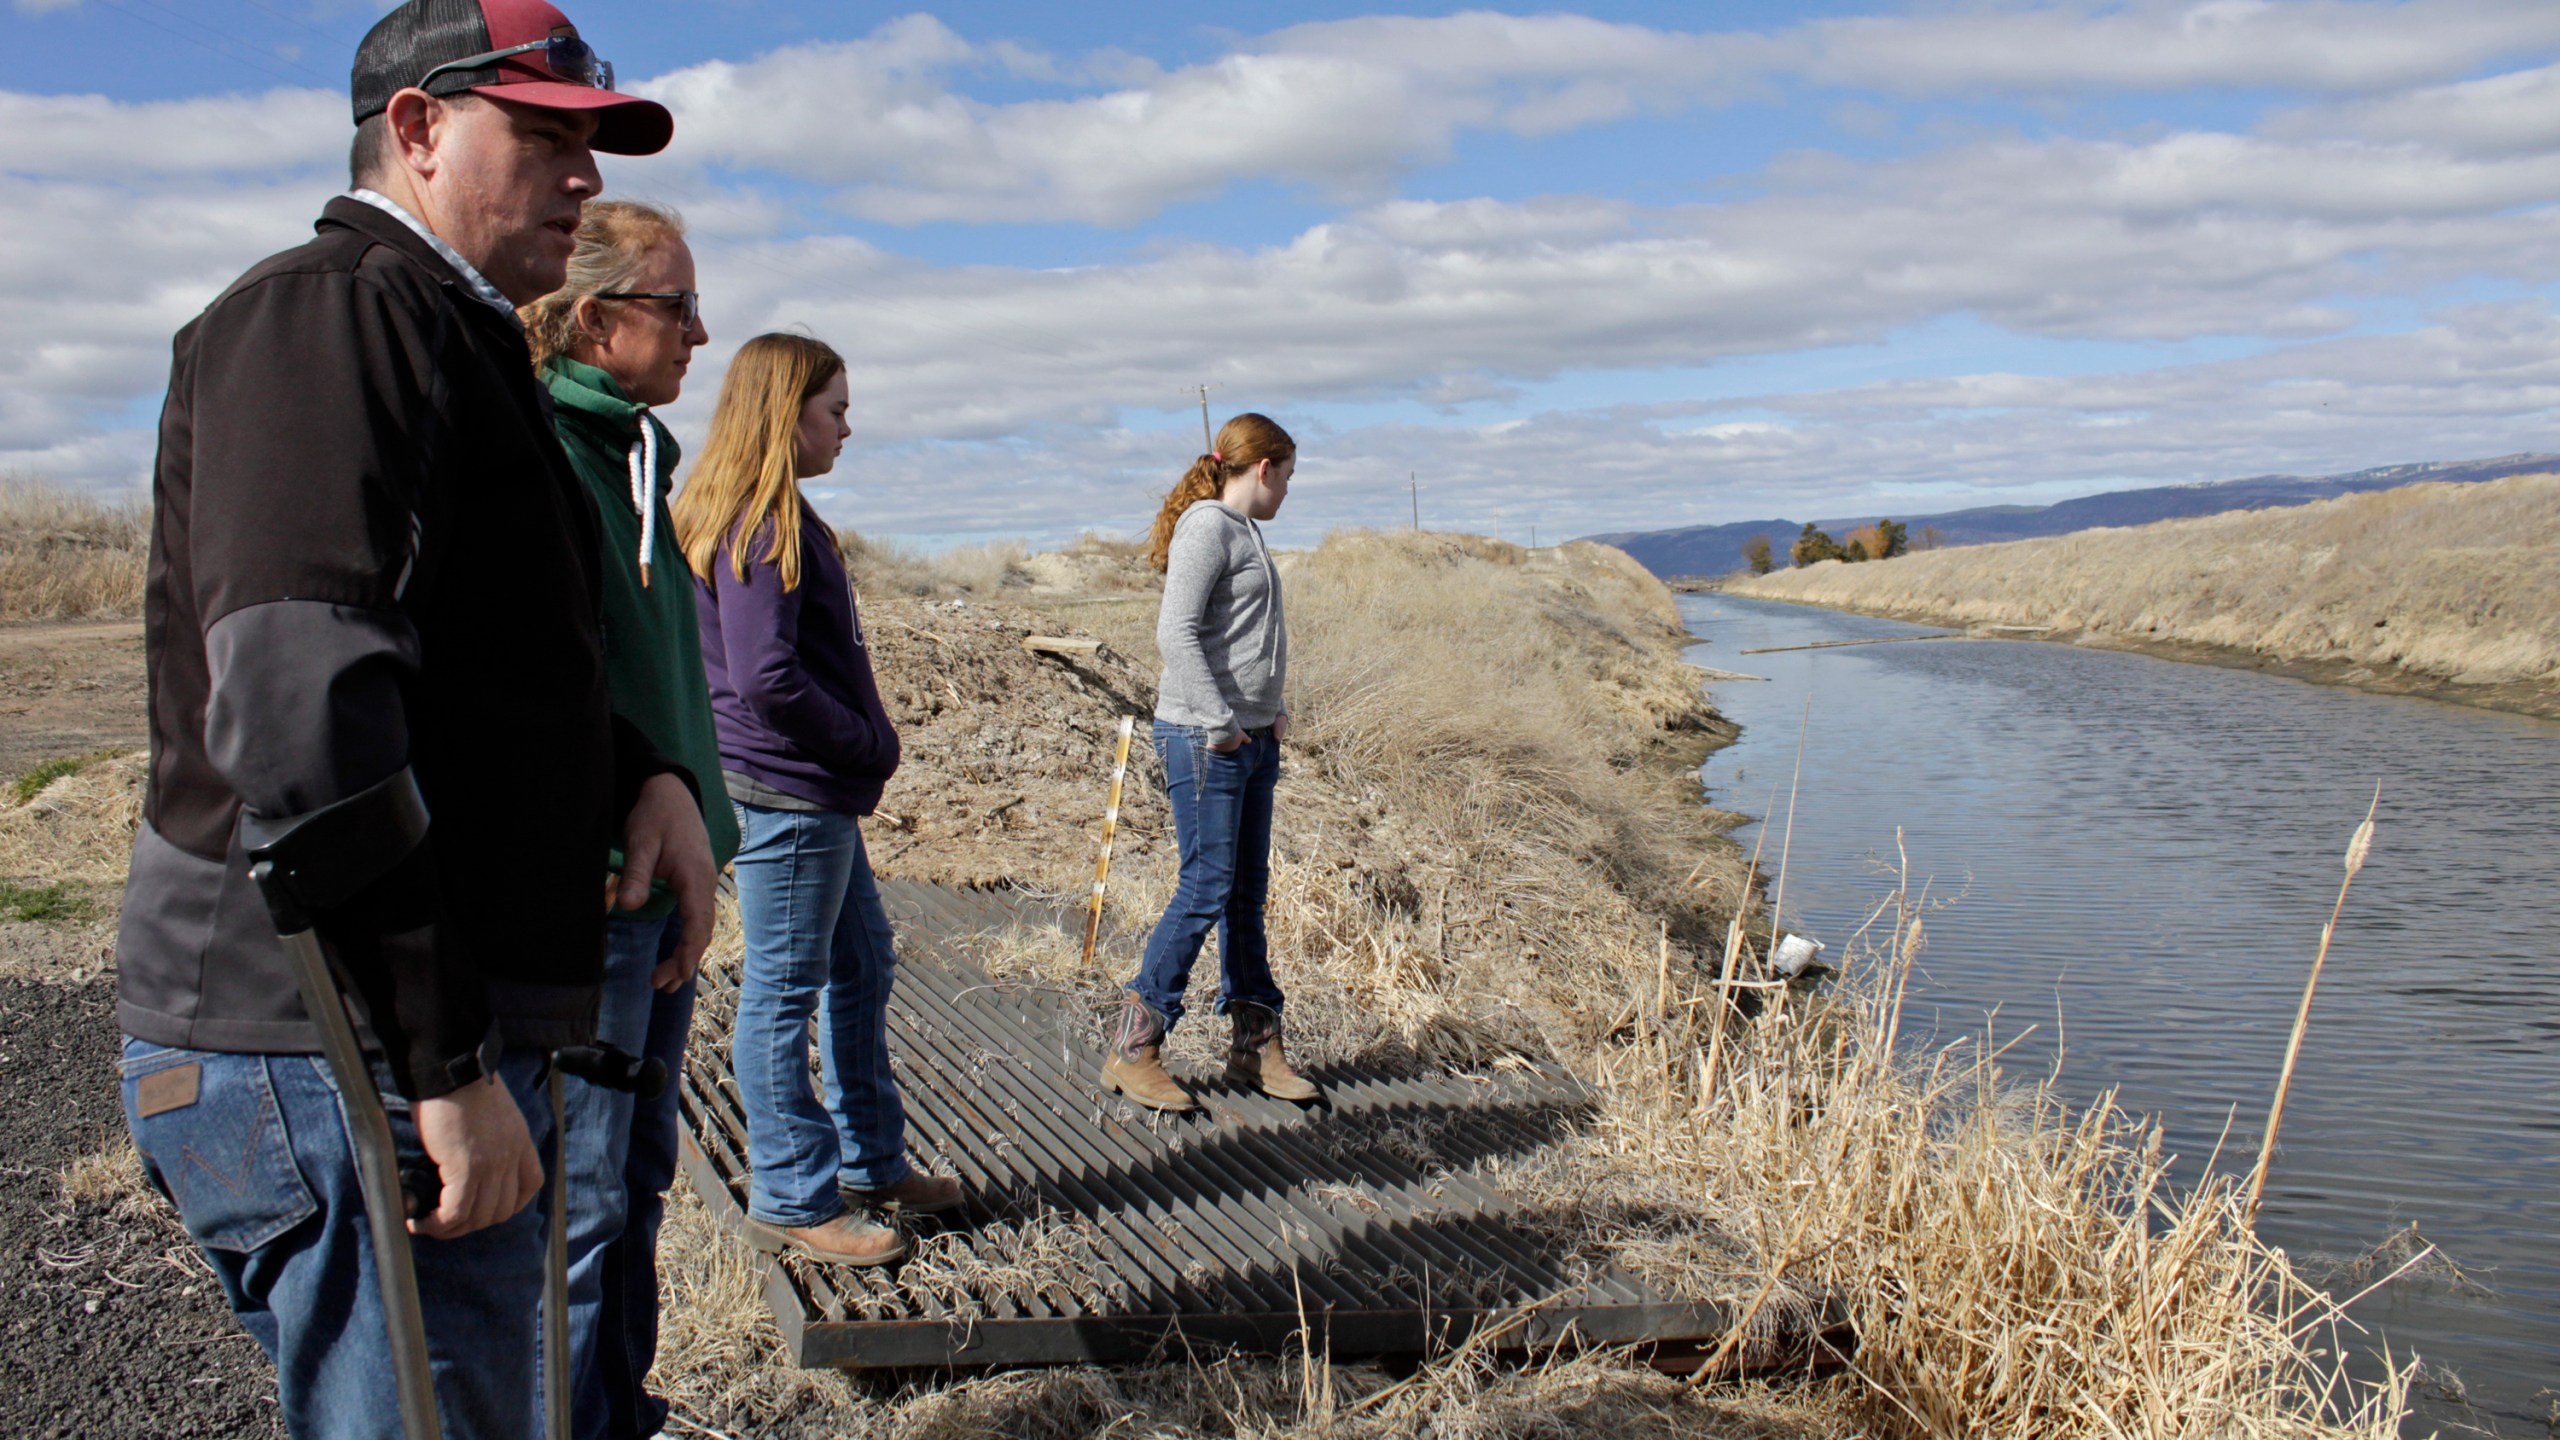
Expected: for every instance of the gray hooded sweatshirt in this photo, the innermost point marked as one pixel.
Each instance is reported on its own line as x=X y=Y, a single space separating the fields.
x=1224 y=640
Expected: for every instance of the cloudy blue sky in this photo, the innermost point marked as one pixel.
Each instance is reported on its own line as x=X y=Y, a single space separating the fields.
x=1626 y=266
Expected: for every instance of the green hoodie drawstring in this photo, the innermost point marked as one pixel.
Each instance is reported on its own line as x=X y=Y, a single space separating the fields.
x=644 y=488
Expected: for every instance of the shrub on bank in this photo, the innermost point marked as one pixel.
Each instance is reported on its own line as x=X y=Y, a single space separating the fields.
x=2448 y=580
x=66 y=555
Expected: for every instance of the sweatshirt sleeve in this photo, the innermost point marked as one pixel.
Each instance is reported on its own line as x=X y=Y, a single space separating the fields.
x=760 y=637
x=305 y=527
x=1194 y=563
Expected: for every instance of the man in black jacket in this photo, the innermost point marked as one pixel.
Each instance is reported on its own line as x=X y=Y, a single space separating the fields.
x=369 y=554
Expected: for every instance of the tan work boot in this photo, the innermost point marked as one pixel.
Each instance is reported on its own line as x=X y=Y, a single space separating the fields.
x=1136 y=1067
x=844 y=1240
x=1255 y=1059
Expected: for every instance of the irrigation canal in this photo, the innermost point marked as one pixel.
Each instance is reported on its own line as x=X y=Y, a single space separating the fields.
x=2138 y=856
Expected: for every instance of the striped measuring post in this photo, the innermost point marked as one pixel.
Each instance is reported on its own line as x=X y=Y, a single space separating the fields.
x=1110 y=827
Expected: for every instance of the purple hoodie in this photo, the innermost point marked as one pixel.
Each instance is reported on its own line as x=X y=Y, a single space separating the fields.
x=792 y=696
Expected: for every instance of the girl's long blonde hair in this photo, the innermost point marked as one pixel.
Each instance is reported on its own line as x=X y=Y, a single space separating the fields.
x=614 y=238
x=1243 y=443
x=744 y=479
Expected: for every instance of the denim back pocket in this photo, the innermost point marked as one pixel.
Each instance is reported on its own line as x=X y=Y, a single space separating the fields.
x=216 y=1140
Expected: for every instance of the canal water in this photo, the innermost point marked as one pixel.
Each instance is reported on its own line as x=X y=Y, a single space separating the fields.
x=2139 y=855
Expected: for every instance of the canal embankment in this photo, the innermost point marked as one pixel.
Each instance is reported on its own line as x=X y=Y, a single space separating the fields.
x=2442 y=590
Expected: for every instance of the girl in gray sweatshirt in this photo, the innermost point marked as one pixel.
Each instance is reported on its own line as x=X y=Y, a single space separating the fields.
x=1220 y=715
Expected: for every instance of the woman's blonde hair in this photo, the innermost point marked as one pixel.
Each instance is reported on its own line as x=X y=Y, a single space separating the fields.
x=615 y=238
x=745 y=478
x=1243 y=443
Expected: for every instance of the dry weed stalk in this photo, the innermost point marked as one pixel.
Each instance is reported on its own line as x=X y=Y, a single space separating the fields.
x=2357 y=847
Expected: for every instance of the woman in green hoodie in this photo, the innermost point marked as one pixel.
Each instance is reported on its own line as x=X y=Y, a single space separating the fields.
x=609 y=344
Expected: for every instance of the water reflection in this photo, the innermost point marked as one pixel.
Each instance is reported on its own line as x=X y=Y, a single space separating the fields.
x=2142 y=854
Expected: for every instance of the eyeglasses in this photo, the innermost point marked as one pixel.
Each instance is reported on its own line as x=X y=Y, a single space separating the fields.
x=568 y=57
x=688 y=302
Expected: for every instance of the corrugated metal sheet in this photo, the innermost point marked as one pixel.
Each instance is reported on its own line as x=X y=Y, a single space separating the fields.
x=1100 y=1231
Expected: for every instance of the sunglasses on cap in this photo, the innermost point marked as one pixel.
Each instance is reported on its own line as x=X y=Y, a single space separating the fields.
x=688 y=302
x=568 y=58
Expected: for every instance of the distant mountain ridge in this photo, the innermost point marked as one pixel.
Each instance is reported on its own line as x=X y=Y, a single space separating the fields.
x=1717 y=549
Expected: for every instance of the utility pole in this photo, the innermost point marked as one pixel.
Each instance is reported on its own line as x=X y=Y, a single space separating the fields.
x=1207 y=441
x=1497 y=524
x=1413 y=487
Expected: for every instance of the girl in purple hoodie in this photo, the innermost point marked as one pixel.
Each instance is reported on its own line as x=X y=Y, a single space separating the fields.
x=805 y=747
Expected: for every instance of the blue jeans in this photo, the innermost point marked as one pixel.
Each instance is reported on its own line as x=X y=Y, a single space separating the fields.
x=1222 y=826
x=619 y=1158
x=818 y=947
x=256 y=1157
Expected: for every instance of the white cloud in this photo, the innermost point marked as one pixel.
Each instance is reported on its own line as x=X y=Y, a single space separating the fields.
x=2315 y=45
x=2500 y=115
x=93 y=136
x=908 y=150
x=1346 y=107
x=2480 y=381
x=117 y=221
x=2188 y=236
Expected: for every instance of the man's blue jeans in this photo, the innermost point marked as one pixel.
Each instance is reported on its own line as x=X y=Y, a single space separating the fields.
x=620 y=1157
x=258 y=1162
x=1222 y=825
x=818 y=946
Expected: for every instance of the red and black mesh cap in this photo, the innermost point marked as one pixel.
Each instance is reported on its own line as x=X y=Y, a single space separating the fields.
x=411 y=43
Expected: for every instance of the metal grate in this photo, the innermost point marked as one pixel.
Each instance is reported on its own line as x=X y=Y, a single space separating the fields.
x=1098 y=1231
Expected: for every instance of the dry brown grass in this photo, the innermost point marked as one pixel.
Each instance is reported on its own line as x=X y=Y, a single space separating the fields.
x=78 y=828
x=2013 y=1265
x=888 y=569
x=65 y=555
x=109 y=1177
x=2447 y=580
x=883 y=567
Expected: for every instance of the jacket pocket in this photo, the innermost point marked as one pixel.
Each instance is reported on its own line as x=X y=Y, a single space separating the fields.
x=209 y=1127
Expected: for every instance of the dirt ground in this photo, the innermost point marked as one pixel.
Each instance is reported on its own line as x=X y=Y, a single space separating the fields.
x=69 y=689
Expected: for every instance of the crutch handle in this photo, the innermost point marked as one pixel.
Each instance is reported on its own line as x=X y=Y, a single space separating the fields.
x=421 y=1188
x=613 y=1068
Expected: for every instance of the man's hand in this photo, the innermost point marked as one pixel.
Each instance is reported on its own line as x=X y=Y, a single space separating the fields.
x=664 y=840
x=477 y=1138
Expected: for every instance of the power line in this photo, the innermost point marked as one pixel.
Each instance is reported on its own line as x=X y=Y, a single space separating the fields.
x=290 y=19
x=252 y=58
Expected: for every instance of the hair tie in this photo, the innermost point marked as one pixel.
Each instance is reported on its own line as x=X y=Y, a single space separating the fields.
x=1214 y=455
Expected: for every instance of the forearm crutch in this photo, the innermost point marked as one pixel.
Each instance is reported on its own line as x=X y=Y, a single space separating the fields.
x=613 y=1069
x=314 y=861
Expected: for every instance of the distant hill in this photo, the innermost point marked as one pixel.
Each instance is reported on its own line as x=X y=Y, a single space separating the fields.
x=1717 y=549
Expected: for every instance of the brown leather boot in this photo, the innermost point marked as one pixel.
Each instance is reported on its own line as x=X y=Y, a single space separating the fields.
x=918 y=1194
x=1255 y=1059
x=1136 y=1067
x=844 y=1240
